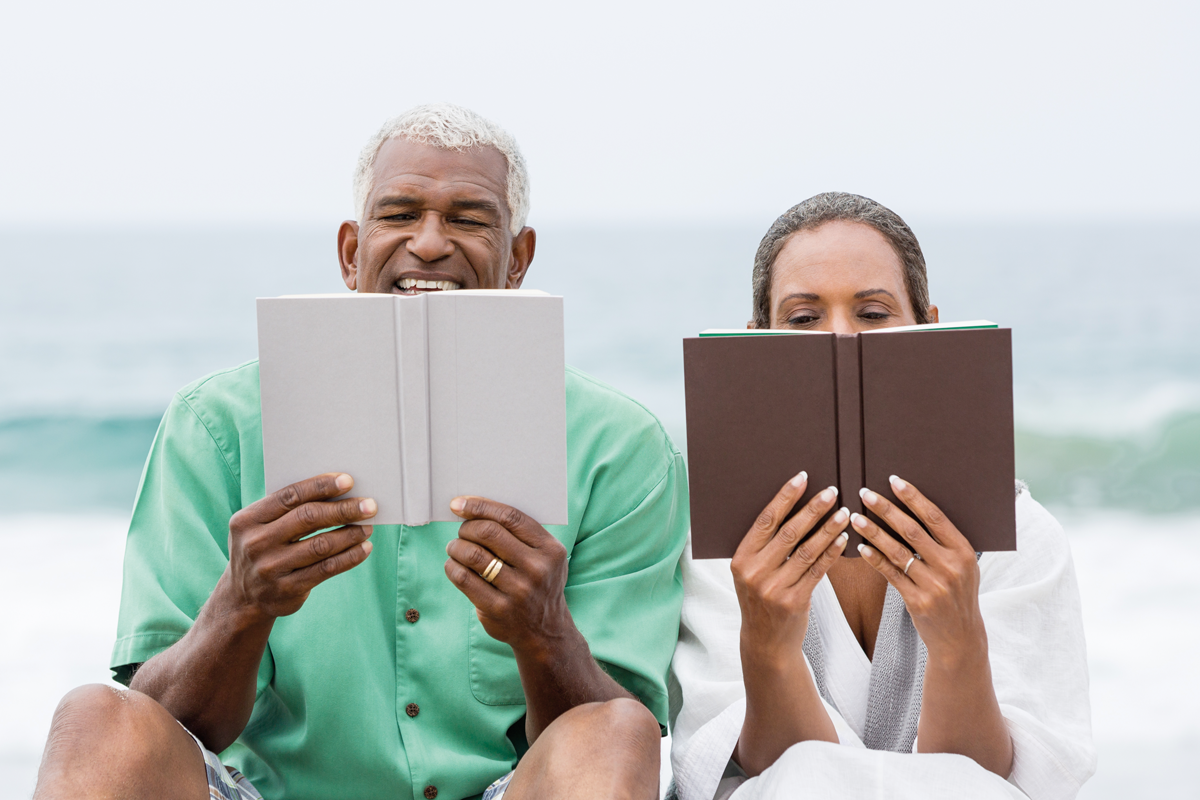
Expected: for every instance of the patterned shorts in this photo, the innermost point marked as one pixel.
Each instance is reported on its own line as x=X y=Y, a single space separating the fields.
x=497 y=789
x=224 y=783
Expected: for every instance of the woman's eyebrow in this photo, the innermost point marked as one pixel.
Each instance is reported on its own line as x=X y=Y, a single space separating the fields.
x=870 y=292
x=812 y=298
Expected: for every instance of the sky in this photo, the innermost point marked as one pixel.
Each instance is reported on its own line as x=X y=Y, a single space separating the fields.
x=129 y=113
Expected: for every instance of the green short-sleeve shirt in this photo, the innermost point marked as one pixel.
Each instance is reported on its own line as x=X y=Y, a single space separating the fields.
x=332 y=713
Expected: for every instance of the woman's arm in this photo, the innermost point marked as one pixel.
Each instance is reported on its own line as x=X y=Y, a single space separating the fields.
x=959 y=710
x=774 y=576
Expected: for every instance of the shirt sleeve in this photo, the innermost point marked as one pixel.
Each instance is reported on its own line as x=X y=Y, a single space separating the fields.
x=1031 y=609
x=178 y=538
x=624 y=588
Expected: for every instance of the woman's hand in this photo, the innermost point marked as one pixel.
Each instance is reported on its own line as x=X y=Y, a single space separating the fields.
x=775 y=571
x=937 y=575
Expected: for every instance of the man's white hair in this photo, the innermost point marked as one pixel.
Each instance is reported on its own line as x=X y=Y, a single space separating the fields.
x=448 y=127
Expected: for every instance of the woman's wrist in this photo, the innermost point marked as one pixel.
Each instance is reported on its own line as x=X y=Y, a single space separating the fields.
x=967 y=652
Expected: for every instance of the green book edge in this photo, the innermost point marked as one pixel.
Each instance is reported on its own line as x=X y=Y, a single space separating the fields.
x=974 y=324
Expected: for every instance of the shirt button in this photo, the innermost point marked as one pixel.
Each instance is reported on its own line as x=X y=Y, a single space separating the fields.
x=412 y=710
x=430 y=792
x=412 y=615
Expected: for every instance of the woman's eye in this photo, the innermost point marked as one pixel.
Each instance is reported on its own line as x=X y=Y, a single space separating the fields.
x=875 y=316
x=802 y=319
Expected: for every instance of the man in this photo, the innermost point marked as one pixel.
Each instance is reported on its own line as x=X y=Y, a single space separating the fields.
x=344 y=664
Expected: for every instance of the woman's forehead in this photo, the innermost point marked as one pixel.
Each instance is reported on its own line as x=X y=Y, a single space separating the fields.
x=837 y=257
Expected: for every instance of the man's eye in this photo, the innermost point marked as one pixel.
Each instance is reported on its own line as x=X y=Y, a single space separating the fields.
x=404 y=217
x=466 y=221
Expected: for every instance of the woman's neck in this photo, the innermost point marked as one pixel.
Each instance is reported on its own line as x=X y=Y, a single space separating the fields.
x=860 y=592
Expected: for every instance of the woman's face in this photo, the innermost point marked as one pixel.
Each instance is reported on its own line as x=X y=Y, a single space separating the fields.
x=842 y=277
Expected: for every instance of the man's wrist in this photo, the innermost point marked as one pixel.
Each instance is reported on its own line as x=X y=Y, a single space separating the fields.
x=227 y=608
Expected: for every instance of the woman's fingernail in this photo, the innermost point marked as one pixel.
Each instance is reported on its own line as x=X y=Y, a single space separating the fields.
x=367 y=506
x=829 y=494
x=897 y=484
x=841 y=515
x=867 y=495
x=343 y=482
x=863 y=550
x=858 y=520
x=800 y=478
x=843 y=537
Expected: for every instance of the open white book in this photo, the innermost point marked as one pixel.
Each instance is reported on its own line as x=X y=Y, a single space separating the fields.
x=421 y=399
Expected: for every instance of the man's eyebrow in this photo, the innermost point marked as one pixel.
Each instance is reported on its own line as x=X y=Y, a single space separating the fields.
x=457 y=205
x=871 y=292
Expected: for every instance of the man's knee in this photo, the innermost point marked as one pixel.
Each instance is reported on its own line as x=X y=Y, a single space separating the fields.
x=620 y=726
x=94 y=719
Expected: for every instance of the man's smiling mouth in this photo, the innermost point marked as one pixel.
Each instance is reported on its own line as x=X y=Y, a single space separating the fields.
x=417 y=285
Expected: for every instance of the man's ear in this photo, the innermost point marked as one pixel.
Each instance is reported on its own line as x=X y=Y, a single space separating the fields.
x=523 y=245
x=348 y=253
x=933 y=313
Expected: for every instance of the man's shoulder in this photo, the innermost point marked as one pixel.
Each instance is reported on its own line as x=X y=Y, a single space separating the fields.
x=227 y=396
x=593 y=404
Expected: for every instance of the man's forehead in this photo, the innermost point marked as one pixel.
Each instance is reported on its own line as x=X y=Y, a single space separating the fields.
x=478 y=170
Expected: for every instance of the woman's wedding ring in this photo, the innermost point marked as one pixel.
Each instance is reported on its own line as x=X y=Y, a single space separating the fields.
x=910 y=563
x=493 y=569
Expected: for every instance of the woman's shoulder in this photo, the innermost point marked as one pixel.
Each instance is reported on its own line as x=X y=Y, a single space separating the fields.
x=1042 y=547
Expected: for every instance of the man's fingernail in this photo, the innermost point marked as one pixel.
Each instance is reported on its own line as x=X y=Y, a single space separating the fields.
x=367 y=506
x=863 y=550
x=367 y=548
x=800 y=478
x=867 y=495
x=457 y=505
x=858 y=520
x=343 y=482
x=897 y=484
x=841 y=515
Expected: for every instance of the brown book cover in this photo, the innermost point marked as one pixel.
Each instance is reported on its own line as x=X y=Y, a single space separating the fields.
x=932 y=405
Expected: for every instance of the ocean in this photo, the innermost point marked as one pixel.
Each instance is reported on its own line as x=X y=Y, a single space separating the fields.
x=99 y=328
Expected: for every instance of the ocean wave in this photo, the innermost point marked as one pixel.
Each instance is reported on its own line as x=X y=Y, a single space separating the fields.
x=76 y=463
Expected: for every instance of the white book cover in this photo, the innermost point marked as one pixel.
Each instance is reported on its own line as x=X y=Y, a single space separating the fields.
x=421 y=399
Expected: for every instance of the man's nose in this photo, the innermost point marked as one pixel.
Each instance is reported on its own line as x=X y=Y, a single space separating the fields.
x=429 y=242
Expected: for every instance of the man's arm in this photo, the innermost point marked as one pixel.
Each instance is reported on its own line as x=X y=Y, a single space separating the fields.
x=524 y=606
x=207 y=679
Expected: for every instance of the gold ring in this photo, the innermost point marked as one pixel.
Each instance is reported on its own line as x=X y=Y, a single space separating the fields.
x=493 y=569
x=909 y=564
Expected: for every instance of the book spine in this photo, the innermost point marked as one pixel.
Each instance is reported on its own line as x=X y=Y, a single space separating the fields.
x=848 y=383
x=412 y=389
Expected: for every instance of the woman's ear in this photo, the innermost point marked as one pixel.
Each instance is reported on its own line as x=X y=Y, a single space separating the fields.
x=750 y=325
x=933 y=313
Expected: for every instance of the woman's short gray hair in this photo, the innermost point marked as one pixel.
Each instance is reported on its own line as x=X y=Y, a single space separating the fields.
x=828 y=207
x=448 y=127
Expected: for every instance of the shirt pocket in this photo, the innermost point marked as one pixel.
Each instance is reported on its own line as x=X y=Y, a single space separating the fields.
x=495 y=680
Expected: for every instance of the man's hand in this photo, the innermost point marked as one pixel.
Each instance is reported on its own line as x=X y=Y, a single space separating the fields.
x=523 y=605
x=207 y=679
x=272 y=567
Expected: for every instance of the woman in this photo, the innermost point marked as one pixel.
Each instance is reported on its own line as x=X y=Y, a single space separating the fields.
x=919 y=669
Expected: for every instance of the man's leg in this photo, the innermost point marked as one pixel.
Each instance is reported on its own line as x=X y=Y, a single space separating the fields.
x=112 y=743
x=598 y=750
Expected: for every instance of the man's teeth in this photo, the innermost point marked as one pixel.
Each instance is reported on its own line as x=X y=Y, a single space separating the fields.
x=416 y=283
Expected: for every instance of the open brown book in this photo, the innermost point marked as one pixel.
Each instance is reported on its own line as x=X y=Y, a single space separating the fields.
x=929 y=403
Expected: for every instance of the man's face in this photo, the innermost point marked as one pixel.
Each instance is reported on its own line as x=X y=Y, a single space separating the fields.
x=435 y=220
